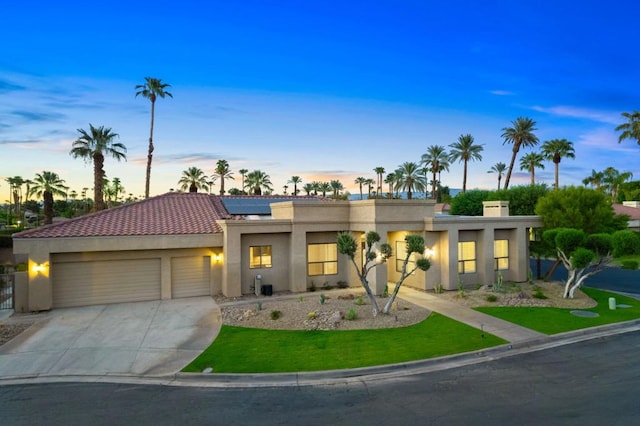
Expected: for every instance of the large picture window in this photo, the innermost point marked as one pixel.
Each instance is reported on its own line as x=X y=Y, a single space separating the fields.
x=466 y=257
x=322 y=259
x=501 y=254
x=259 y=257
x=401 y=253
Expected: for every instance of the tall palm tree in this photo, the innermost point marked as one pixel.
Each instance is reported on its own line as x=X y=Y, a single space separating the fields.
x=46 y=185
x=152 y=89
x=295 y=180
x=243 y=173
x=94 y=145
x=530 y=162
x=411 y=179
x=194 y=179
x=595 y=179
x=437 y=159
x=336 y=187
x=360 y=181
x=520 y=135
x=630 y=129
x=258 y=180
x=555 y=150
x=498 y=168
x=465 y=150
x=223 y=172
x=370 y=183
x=391 y=181
x=379 y=172
x=15 y=190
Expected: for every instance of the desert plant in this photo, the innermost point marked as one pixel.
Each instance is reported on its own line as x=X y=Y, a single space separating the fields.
x=322 y=298
x=275 y=314
x=538 y=294
x=359 y=301
x=491 y=298
x=498 y=284
x=312 y=315
x=461 y=292
x=385 y=293
x=342 y=284
x=351 y=314
x=438 y=288
x=312 y=287
x=259 y=306
x=300 y=299
x=326 y=286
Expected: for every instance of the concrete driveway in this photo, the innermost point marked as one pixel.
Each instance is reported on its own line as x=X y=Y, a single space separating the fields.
x=144 y=338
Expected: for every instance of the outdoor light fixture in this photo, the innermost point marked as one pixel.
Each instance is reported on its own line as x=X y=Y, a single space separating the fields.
x=217 y=257
x=39 y=268
x=429 y=253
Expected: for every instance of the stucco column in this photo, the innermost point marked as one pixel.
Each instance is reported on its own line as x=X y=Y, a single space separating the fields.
x=521 y=260
x=449 y=259
x=485 y=256
x=298 y=261
x=232 y=261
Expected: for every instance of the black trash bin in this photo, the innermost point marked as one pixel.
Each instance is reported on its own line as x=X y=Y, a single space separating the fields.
x=267 y=289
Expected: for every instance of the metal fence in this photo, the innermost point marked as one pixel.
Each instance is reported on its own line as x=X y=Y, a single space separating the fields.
x=7 y=287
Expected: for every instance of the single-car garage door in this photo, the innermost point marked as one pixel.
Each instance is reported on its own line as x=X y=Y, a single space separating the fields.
x=190 y=276
x=102 y=282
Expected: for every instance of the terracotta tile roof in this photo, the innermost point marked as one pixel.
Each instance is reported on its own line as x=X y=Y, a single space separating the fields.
x=632 y=212
x=174 y=213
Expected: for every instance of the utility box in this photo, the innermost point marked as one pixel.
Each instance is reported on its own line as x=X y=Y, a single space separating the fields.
x=612 y=303
x=257 y=284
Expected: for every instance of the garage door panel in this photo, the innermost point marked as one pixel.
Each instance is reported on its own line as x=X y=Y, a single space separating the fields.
x=102 y=282
x=190 y=276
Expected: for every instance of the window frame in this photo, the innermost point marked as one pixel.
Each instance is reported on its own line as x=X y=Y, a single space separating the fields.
x=323 y=263
x=261 y=256
x=466 y=264
x=497 y=259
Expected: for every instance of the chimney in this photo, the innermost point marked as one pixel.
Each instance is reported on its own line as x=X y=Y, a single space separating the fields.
x=495 y=208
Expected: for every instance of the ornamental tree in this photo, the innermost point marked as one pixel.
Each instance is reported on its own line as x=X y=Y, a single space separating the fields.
x=582 y=254
x=374 y=257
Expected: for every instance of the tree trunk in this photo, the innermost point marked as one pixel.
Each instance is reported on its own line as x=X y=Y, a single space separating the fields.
x=513 y=162
x=464 y=177
x=98 y=175
x=48 y=207
x=150 y=152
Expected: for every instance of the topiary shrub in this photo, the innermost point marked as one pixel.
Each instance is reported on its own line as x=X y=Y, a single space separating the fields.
x=625 y=243
x=630 y=264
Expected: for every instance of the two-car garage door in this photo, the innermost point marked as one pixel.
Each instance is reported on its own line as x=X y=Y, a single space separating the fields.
x=98 y=282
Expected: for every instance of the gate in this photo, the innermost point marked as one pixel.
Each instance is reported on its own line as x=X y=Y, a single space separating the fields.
x=7 y=287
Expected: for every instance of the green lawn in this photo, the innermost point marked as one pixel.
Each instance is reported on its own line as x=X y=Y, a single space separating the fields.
x=252 y=350
x=557 y=320
x=619 y=260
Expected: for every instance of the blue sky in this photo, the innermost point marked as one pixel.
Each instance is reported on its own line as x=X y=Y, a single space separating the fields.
x=323 y=90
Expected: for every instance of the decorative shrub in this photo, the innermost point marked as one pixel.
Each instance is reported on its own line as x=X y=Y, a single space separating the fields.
x=625 y=243
x=342 y=284
x=351 y=315
x=491 y=298
x=359 y=301
x=322 y=298
x=438 y=288
x=312 y=315
x=312 y=287
x=538 y=294
x=275 y=314
x=629 y=264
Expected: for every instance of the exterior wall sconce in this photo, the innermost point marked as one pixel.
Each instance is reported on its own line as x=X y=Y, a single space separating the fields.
x=429 y=253
x=217 y=258
x=40 y=268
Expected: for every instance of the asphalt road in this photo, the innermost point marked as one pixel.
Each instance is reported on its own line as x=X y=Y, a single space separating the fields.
x=589 y=383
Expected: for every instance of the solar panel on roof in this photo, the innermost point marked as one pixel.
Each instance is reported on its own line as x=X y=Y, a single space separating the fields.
x=257 y=206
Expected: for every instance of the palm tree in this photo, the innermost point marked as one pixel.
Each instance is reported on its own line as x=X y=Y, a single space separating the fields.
x=630 y=129
x=308 y=188
x=520 y=135
x=15 y=190
x=530 y=162
x=360 y=181
x=411 y=179
x=258 y=180
x=324 y=187
x=498 y=168
x=194 y=179
x=46 y=185
x=336 y=187
x=594 y=179
x=243 y=173
x=437 y=160
x=92 y=146
x=612 y=179
x=152 y=89
x=465 y=150
x=555 y=150
x=223 y=172
x=295 y=180
x=370 y=183
x=379 y=172
x=391 y=181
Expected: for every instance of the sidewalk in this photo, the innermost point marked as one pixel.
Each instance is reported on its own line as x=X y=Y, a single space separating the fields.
x=510 y=332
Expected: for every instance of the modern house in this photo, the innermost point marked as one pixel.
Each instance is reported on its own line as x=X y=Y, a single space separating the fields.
x=189 y=244
x=631 y=209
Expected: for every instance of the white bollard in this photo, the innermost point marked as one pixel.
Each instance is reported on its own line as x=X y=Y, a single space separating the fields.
x=612 y=303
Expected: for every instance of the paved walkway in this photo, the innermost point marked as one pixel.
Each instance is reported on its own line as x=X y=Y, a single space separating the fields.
x=143 y=338
x=510 y=332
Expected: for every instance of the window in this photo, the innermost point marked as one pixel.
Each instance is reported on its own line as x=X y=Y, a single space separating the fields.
x=401 y=253
x=466 y=257
x=501 y=254
x=259 y=257
x=322 y=259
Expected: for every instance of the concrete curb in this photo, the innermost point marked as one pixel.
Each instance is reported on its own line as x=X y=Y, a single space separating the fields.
x=332 y=377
